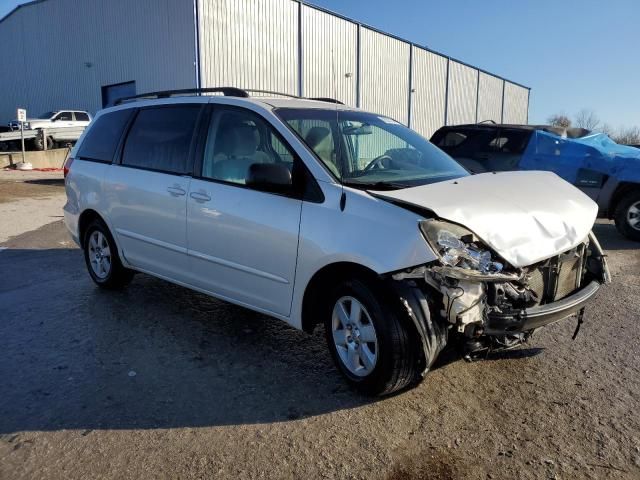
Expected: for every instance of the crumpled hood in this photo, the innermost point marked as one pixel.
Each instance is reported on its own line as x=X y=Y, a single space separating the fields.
x=525 y=217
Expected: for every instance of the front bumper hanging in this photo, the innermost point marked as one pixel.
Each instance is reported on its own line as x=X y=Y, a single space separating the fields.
x=530 y=318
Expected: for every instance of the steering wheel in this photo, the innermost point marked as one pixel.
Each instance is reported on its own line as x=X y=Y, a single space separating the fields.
x=378 y=163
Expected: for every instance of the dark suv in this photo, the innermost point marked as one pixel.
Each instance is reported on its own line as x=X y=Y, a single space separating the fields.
x=609 y=173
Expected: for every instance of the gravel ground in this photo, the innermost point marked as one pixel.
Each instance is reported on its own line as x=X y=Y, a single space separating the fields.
x=158 y=381
x=29 y=200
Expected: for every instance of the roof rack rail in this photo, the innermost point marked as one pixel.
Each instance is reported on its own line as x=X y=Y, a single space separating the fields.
x=271 y=92
x=326 y=99
x=226 y=91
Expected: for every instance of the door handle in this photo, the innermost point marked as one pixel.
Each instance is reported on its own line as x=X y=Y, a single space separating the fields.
x=200 y=196
x=176 y=191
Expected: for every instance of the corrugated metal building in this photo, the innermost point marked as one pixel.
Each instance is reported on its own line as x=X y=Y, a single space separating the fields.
x=120 y=47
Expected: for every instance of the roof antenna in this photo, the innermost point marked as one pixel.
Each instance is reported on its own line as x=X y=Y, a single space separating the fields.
x=334 y=77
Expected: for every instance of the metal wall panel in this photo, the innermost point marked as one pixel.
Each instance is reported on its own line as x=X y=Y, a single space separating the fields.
x=463 y=94
x=490 y=98
x=429 y=84
x=329 y=56
x=60 y=64
x=249 y=44
x=245 y=43
x=384 y=75
x=12 y=89
x=516 y=104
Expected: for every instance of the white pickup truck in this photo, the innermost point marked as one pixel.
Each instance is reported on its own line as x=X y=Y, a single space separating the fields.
x=57 y=119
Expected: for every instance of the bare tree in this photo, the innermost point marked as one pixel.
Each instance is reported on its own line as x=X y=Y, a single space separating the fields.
x=587 y=119
x=607 y=130
x=559 y=120
x=628 y=136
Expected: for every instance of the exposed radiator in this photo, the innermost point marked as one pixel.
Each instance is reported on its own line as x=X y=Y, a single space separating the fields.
x=559 y=276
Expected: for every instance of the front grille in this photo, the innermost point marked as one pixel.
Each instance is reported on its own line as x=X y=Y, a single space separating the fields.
x=557 y=277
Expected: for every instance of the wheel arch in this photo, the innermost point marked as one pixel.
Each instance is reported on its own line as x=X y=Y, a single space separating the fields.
x=430 y=332
x=621 y=191
x=86 y=217
x=325 y=277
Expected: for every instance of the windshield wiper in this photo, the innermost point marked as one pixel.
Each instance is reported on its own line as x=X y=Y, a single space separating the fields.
x=379 y=185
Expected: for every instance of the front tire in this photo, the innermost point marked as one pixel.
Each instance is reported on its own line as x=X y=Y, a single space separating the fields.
x=372 y=345
x=627 y=216
x=102 y=259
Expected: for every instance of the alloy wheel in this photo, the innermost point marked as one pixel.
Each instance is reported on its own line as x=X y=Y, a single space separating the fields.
x=354 y=336
x=99 y=254
x=633 y=216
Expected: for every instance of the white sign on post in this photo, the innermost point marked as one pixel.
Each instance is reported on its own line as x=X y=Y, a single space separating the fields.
x=22 y=118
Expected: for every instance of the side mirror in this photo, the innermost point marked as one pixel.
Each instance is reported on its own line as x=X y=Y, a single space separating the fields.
x=270 y=177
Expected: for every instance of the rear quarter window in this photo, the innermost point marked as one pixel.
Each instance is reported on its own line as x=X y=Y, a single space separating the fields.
x=104 y=134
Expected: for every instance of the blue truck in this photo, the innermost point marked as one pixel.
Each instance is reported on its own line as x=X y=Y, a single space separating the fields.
x=606 y=171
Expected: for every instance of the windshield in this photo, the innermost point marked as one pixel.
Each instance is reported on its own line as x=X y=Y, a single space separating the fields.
x=371 y=151
x=46 y=115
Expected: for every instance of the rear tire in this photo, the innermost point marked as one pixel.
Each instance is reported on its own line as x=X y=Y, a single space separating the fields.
x=376 y=349
x=627 y=216
x=38 y=143
x=102 y=259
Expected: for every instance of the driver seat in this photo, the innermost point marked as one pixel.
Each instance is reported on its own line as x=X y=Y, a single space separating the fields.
x=321 y=142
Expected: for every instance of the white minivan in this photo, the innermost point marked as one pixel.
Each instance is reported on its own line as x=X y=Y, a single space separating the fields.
x=318 y=213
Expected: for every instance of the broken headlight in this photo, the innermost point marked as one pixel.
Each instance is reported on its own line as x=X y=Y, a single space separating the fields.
x=458 y=248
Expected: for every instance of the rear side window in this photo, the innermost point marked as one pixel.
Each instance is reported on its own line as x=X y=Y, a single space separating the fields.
x=82 y=117
x=160 y=138
x=103 y=136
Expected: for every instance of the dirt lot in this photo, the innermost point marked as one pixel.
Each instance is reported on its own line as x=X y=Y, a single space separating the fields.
x=29 y=200
x=158 y=381
x=16 y=185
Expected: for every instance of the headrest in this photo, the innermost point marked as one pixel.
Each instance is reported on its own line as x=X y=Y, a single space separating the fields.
x=316 y=135
x=246 y=140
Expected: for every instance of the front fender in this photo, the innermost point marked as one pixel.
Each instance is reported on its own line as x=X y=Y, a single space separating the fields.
x=369 y=232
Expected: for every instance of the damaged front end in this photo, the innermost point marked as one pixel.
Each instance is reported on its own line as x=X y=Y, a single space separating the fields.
x=493 y=305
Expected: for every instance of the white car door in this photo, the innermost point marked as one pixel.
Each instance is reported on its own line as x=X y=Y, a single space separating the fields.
x=147 y=190
x=243 y=240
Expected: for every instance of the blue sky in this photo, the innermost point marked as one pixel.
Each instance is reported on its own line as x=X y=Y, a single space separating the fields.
x=574 y=54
